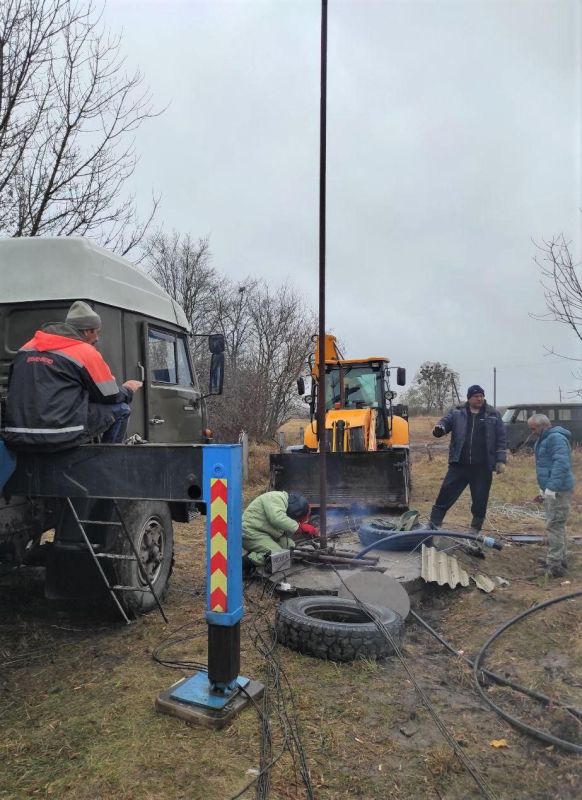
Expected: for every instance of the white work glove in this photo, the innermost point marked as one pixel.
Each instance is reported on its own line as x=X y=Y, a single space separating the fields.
x=500 y=467
x=549 y=493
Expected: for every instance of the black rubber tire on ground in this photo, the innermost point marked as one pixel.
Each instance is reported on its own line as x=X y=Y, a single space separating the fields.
x=335 y=629
x=145 y=520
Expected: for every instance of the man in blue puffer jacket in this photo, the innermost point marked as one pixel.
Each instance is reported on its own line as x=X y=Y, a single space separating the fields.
x=556 y=481
x=478 y=448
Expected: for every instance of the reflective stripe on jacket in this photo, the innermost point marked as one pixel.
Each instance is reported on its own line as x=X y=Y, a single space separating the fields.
x=52 y=380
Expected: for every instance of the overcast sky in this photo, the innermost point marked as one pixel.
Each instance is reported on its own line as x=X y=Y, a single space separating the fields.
x=453 y=141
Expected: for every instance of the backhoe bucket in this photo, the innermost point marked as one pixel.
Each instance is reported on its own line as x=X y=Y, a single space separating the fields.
x=374 y=480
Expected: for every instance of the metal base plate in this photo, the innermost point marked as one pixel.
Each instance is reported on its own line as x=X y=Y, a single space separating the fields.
x=196 y=691
x=191 y=700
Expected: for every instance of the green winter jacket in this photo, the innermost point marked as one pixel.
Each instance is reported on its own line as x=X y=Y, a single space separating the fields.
x=267 y=514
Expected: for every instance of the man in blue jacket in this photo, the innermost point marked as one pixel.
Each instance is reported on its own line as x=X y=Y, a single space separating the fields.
x=556 y=481
x=478 y=448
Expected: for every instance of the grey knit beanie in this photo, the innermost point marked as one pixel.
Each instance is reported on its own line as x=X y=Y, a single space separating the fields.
x=82 y=317
x=298 y=506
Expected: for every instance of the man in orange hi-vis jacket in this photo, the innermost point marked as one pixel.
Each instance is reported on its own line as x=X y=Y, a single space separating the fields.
x=61 y=392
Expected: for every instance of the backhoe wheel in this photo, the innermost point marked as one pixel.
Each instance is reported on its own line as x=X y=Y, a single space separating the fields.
x=335 y=629
x=149 y=524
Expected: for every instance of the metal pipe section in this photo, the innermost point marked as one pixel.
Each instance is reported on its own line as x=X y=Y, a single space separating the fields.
x=321 y=432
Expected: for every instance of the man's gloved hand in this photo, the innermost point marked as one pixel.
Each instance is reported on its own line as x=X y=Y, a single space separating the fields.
x=500 y=467
x=438 y=431
x=549 y=493
x=310 y=530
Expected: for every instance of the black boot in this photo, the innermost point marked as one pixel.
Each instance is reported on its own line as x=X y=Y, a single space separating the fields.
x=477 y=524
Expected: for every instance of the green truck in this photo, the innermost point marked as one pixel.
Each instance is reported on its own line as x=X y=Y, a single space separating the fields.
x=145 y=336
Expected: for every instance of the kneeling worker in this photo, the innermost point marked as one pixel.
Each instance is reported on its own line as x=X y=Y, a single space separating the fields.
x=61 y=392
x=270 y=522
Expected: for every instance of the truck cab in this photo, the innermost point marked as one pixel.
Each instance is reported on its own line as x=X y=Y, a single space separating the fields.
x=113 y=489
x=145 y=334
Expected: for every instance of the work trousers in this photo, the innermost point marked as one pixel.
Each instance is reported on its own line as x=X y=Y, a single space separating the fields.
x=109 y=421
x=259 y=545
x=478 y=477
x=557 y=510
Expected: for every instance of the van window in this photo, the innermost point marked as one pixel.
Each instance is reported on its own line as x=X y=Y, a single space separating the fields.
x=162 y=356
x=522 y=416
x=508 y=415
x=564 y=414
x=577 y=413
x=551 y=413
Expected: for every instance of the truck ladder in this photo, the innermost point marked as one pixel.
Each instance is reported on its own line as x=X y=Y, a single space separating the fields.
x=114 y=588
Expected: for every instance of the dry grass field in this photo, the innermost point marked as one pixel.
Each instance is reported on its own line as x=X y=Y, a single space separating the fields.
x=78 y=723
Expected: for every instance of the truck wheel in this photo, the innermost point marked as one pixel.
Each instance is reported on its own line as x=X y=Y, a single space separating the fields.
x=149 y=524
x=335 y=629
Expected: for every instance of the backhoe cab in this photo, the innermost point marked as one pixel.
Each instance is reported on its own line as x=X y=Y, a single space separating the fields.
x=367 y=436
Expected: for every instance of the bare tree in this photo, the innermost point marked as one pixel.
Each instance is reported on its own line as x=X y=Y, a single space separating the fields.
x=267 y=334
x=282 y=327
x=434 y=387
x=562 y=291
x=182 y=266
x=68 y=114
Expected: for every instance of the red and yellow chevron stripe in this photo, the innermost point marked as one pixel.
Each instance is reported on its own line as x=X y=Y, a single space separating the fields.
x=218 y=544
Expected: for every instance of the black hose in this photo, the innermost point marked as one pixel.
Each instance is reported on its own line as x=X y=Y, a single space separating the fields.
x=429 y=533
x=523 y=726
x=494 y=676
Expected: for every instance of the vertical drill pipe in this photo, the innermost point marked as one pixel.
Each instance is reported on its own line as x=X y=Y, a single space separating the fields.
x=321 y=367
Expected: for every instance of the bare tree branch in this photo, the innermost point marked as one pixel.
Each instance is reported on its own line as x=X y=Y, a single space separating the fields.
x=267 y=333
x=68 y=115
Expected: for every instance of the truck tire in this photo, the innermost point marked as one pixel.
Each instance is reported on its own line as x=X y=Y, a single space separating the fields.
x=335 y=629
x=149 y=524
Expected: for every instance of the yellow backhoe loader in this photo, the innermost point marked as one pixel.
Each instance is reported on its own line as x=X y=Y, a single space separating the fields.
x=368 y=459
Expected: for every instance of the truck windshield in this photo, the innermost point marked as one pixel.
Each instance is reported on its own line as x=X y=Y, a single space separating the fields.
x=363 y=387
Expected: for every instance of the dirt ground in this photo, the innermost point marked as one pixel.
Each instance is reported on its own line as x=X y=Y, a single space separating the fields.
x=78 y=723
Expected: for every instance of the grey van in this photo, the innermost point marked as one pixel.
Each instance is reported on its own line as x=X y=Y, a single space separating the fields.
x=567 y=415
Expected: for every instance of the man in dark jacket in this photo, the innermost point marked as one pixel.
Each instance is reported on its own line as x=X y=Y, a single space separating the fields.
x=478 y=448
x=61 y=392
x=556 y=481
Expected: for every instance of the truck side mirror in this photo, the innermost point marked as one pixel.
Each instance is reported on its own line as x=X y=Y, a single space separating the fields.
x=216 y=343
x=216 y=373
x=401 y=376
x=300 y=386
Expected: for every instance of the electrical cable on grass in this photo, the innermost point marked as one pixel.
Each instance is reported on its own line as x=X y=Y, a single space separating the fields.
x=265 y=641
x=517 y=723
x=494 y=676
x=486 y=790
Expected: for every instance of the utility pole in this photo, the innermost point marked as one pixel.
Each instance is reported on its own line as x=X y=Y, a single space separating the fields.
x=494 y=387
x=455 y=391
x=560 y=391
x=321 y=432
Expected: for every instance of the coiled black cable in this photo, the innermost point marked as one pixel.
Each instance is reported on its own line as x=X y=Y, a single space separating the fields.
x=517 y=723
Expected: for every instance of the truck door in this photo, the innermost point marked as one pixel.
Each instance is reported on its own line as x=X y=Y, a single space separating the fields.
x=172 y=396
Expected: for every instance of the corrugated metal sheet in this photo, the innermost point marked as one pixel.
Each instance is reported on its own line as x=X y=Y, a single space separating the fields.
x=438 y=567
x=484 y=583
